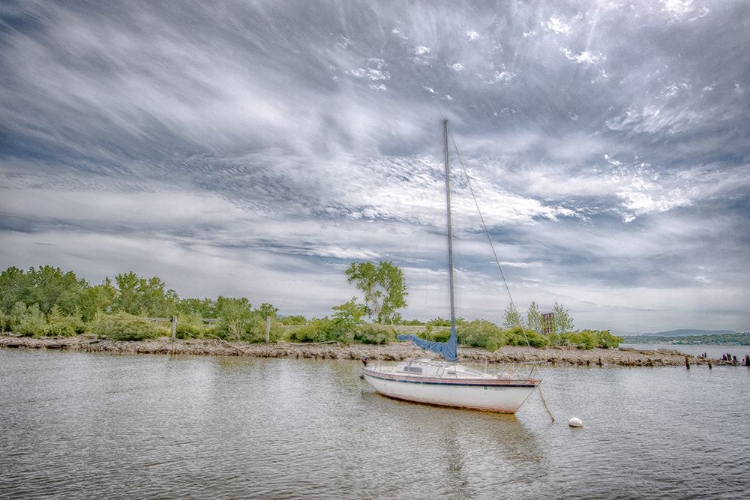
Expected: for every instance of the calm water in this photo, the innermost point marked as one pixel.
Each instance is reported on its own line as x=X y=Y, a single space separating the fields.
x=712 y=351
x=104 y=426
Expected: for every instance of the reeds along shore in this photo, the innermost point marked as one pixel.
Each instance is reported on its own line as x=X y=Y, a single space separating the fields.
x=390 y=352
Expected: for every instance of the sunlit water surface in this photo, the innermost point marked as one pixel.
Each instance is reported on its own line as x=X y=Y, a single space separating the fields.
x=105 y=426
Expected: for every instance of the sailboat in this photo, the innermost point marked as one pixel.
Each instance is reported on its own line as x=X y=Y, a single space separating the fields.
x=446 y=382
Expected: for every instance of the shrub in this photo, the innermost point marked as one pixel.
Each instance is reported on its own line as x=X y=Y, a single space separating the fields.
x=294 y=320
x=59 y=325
x=608 y=341
x=323 y=330
x=27 y=321
x=588 y=339
x=237 y=321
x=190 y=326
x=481 y=333
x=439 y=322
x=256 y=333
x=374 y=334
x=412 y=322
x=518 y=336
x=124 y=326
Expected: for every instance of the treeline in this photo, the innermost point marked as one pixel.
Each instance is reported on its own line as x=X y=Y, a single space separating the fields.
x=46 y=301
x=722 y=339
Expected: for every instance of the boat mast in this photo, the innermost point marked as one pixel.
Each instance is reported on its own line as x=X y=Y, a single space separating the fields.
x=450 y=226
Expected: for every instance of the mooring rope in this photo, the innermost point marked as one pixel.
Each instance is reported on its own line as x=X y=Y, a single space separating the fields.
x=545 y=403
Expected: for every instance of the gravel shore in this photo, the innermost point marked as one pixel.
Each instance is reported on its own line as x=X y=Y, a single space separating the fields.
x=391 y=352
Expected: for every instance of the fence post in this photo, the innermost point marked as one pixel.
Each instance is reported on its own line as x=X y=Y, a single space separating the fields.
x=174 y=327
x=268 y=329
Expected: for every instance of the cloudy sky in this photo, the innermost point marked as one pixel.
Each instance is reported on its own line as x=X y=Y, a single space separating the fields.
x=256 y=148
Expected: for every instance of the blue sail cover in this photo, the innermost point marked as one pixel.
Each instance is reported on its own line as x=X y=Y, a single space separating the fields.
x=449 y=350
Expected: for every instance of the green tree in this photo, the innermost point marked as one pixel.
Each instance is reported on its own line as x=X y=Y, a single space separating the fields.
x=534 y=318
x=95 y=299
x=206 y=308
x=14 y=287
x=51 y=287
x=563 y=321
x=267 y=310
x=236 y=318
x=512 y=317
x=139 y=296
x=350 y=312
x=45 y=286
x=383 y=287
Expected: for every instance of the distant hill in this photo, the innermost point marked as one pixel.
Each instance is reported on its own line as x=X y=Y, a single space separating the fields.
x=685 y=332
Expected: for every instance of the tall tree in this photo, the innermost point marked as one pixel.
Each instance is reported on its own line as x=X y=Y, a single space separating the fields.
x=563 y=321
x=97 y=298
x=14 y=287
x=140 y=296
x=267 y=310
x=512 y=317
x=383 y=287
x=534 y=318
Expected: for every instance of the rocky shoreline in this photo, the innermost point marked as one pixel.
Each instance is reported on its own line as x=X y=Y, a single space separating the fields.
x=391 y=352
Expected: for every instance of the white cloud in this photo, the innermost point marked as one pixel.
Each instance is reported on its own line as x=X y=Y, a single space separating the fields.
x=677 y=8
x=584 y=57
x=652 y=119
x=556 y=25
x=473 y=35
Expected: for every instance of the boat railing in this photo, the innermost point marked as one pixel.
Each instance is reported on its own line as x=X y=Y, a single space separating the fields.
x=518 y=370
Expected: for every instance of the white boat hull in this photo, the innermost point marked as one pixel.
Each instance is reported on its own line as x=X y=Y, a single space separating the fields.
x=481 y=393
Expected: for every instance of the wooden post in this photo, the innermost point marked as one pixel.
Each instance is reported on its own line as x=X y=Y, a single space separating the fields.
x=174 y=327
x=687 y=362
x=268 y=329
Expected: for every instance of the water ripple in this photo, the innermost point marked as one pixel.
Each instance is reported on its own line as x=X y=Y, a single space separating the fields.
x=91 y=426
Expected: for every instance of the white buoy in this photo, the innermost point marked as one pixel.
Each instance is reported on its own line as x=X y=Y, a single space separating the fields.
x=575 y=422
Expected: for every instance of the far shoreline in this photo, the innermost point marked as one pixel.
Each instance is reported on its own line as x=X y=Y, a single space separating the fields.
x=551 y=356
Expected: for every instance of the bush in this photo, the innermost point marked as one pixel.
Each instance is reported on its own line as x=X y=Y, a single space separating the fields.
x=62 y=326
x=515 y=336
x=439 y=322
x=256 y=333
x=294 y=320
x=324 y=330
x=190 y=326
x=412 y=322
x=237 y=321
x=374 y=334
x=27 y=321
x=589 y=339
x=481 y=333
x=124 y=326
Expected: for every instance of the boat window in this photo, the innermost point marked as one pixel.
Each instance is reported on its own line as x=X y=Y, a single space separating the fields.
x=413 y=369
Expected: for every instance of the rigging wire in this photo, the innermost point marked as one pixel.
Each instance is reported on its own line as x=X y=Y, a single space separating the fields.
x=486 y=232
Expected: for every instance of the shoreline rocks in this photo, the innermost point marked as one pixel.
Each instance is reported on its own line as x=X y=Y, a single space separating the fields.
x=391 y=352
